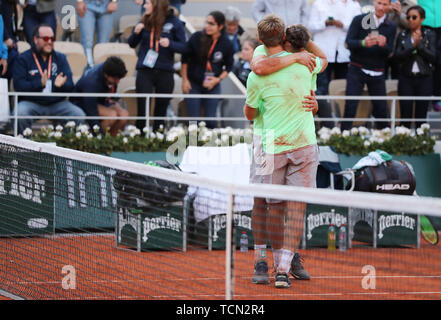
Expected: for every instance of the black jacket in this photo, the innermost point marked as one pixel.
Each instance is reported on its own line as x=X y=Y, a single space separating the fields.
x=373 y=58
x=424 y=54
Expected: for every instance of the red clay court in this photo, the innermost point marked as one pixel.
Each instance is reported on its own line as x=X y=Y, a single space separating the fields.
x=34 y=271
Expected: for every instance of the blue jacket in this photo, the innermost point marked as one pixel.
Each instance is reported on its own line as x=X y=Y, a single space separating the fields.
x=92 y=81
x=7 y=10
x=373 y=58
x=3 y=47
x=174 y=30
x=220 y=60
x=27 y=78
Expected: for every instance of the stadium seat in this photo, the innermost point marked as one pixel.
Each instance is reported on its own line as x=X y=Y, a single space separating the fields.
x=22 y=46
x=128 y=85
x=126 y=24
x=75 y=55
x=102 y=51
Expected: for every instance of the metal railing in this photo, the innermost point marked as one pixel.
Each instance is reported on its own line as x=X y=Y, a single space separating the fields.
x=392 y=119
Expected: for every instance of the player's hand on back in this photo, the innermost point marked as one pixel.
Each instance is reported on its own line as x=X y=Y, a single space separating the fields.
x=307 y=59
x=310 y=103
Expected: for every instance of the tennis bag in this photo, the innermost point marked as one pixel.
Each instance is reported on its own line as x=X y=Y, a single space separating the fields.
x=136 y=190
x=394 y=177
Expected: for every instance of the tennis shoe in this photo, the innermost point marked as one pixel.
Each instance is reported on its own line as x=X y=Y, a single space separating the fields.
x=297 y=270
x=261 y=273
x=282 y=281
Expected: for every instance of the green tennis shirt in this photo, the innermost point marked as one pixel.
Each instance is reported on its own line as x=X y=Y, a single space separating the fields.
x=285 y=123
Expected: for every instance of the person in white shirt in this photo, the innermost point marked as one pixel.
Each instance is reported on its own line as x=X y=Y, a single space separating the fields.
x=291 y=11
x=329 y=21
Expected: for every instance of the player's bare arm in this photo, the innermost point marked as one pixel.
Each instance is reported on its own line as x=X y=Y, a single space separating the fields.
x=315 y=49
x=263 y=65
x=250 y=113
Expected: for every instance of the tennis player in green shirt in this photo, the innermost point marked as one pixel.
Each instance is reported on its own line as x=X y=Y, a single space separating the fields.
x=288 y=136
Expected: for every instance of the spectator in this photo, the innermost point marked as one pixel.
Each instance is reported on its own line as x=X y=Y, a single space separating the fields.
x=397 y=14
x=99 y=14
x=370 y=49
x=291 y=11
x=416 y=53
x=208 y=61
x=174 y=3
x=160 y=34
x=433 y=21
x=103 y=78
x=38 y=12
x=242 y=67
x=8 y=8
x=329 y=22
x=42 y=69
x=232 y=27
x=3 y=51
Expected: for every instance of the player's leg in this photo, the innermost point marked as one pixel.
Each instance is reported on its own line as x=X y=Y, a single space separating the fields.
x=119 y=123
x=104 y=111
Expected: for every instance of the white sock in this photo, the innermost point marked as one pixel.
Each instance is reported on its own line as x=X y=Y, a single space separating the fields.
x=259 y=252
x=276 y=256
x=285 y=261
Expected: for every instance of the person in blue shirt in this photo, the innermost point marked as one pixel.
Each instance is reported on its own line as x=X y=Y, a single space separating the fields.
x=8 y=10
x=208 y=61
x=159 y=35
x=42 y=69
x=103 y=78
x=3 y=50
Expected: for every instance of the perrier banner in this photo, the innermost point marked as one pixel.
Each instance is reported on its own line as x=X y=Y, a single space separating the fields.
x=26 y=192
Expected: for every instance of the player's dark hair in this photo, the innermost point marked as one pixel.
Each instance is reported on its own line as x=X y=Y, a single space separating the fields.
x=115 y=67
x=420 y=10
x=298 y=36
x=36 y=32
x=206 y=40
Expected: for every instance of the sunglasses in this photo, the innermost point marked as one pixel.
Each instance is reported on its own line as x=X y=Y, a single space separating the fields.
x=46 y=39
x=412 y=17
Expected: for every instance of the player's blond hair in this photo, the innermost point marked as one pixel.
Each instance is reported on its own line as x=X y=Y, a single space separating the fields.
x=271 y=30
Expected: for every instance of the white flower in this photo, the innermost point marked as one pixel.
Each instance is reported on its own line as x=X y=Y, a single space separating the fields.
x=99 y=137
x=386 y=130
x=83 y=128
x=160 y=136
x=146 y=130
x=367 y=143
x=70 y=124
x=420 y=131
x=96 y=128
x=132 y=134
x=376 y=133
x=171 y=137
x=218 y=142
x=325 y=137
x=225 y=138
x=380 y=140
x=346 y=133
x=78 y=135
x=354 y=131
x=425 y=126
x=192 y=128
x=335 y=131
x=89 y=136
x=363 y=131
x=50 y=127
x=125 y=140
x=324 y=130
x=202 y=124
x=51 y=134
x=152 y=135
x=59 y=128
x=27 y=132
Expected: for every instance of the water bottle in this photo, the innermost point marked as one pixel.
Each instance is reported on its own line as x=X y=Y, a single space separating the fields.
x=342 y=238
x=331 y=237
x=244 y=242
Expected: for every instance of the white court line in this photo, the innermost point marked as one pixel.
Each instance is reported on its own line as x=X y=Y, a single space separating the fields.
x=218 y=279
x=10 y=295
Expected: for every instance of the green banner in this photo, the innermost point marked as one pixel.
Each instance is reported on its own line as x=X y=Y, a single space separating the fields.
x=396 y=229
x=317 y=221
x=241 y=222
x=26 y=192
x=85 y=197
x=152 y=228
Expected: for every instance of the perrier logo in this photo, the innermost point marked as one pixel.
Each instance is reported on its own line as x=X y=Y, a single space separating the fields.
x=161 y=222
x=316 y=220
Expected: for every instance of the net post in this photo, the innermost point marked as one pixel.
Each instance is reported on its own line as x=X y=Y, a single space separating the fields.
x=138 y=233
x=393 y=115
x=15 y=115
x=185 y=222
x=229 y=252
x=374 y=228
x=304 y=232
x=210 y=233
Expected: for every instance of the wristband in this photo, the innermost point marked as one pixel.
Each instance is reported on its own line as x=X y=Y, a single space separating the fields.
x=362 y=43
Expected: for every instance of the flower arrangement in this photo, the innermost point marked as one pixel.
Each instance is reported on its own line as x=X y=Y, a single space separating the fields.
x=357 y=141
x=361 y=141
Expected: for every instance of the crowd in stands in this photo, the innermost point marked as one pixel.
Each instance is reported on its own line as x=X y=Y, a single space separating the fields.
x=401 y=40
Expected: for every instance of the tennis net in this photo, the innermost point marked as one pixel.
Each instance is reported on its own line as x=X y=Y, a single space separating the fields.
x=82 y=226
